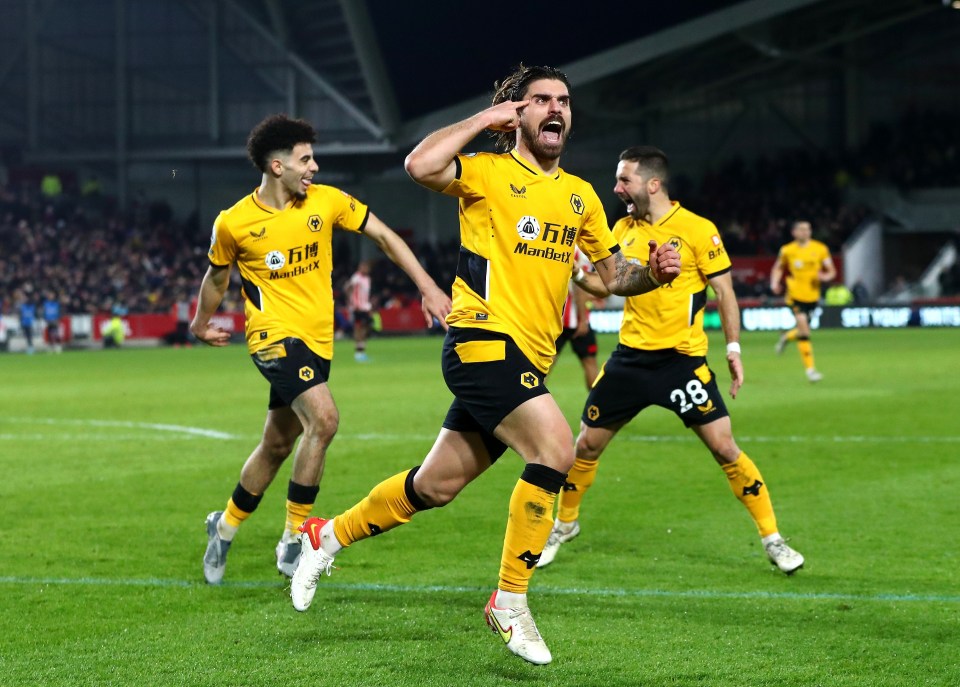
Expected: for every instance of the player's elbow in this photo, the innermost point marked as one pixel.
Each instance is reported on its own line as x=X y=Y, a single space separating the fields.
x=417 y=167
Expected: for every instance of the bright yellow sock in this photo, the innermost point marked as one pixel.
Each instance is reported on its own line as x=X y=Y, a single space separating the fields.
x=579 y=479
x=528 y=525
x=389 y=504
x=234 y=515
x=746 y=482
x=805 y=346
x=297 y=513
x=791 y=335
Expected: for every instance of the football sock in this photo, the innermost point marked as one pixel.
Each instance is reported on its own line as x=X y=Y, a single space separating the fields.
x=510 y=600
x=790 y=335
x=579 y=479
x=528 y=525
x=300 y=500
x=239 y=508
x=389 y=504
x=806 y=351
x=746 y=482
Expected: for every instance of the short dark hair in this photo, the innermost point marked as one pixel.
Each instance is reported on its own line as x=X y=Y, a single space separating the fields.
x=277 y=132
x=651 y=160
x=514 y=87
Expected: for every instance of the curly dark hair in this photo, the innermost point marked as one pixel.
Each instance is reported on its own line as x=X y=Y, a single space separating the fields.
x=514 y=87
x=277 y=132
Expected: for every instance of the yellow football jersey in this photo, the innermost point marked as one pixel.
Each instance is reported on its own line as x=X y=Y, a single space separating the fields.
x=284 y=259
x=518 y=231
x=802 y=265
x=672 y=316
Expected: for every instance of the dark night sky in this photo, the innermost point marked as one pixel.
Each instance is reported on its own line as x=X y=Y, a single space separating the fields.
x=551 y=33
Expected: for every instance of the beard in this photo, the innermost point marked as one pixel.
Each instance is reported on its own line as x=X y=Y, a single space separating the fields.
x=641 y=205
x=529 y=134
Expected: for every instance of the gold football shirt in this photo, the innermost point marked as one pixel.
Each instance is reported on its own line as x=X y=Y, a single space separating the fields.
x=518 y=231
x=802 y=265
x=672 y=315
x=284 y=259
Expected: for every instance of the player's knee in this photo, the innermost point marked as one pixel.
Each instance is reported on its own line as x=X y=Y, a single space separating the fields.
x=324 y=425
x=439 y=493
x=277 y=447
x=588 y=446
x=725 y=451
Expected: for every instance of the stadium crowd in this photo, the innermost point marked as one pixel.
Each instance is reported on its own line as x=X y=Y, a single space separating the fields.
x=68 y=238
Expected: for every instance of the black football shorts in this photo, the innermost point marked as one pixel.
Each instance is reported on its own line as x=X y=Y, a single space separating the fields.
x=633 y=379
x=490 y=377
x=291 y=368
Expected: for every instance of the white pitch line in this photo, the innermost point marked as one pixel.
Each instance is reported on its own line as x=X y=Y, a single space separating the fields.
x=708 y=594
x=190 y=432
x=177 y=429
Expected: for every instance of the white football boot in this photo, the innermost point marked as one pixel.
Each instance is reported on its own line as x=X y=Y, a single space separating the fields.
x=314 y=561
x=215 y=557
x=518 y=631
x=785 y=558
x=561 y=533
x=288 y=556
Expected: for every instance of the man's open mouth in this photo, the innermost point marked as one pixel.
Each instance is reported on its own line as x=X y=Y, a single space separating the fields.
x=552 y=131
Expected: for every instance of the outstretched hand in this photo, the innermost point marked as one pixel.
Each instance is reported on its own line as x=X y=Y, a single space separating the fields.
x=736 y=373
x=210 y=335
x=664 y=262
x=436 y=305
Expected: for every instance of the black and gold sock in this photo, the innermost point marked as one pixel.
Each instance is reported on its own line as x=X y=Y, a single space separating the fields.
x=300 y=500
x=240 y=506
x=579 y=480
x=389 y=504
x=528 y=525
x=747 y=485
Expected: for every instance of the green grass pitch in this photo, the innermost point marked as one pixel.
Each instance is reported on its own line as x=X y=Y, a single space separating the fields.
x=112 y=459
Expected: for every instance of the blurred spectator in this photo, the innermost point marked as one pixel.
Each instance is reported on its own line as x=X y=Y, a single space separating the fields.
x=28 y=317
x=51 y=316
x=861 y=296
x=838 y=294
x=113 y=333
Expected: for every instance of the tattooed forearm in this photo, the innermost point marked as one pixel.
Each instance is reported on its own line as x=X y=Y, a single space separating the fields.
x=632 y=279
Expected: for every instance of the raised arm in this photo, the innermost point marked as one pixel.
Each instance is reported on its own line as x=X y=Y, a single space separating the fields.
x=212 y=289
x=435 y=302
x=432 y=162
x=628 y=279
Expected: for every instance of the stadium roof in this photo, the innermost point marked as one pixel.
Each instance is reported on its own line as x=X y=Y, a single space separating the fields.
x=120 y=80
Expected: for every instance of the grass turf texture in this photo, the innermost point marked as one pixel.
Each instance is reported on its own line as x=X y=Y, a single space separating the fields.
x=105 y=489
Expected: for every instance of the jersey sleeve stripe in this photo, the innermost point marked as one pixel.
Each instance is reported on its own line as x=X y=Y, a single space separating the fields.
x=218 y=265
x=456 y=160
x=363 y=224
x=718 y=273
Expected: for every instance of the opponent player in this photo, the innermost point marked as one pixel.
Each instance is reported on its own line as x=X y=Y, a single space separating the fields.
x=358 y=296
x=521 y=216
x=279 y=237
x=661 y=357
x=807 y=264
